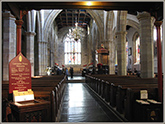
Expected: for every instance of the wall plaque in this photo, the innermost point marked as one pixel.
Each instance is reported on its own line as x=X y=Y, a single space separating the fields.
x=19 y=74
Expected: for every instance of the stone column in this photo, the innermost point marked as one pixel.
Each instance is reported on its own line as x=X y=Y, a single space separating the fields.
x=9 y=42
x=111 y=42
x=121 y=42
x=146 y=45
x=45 y=55
x=111 y=57
x=52 y=59
x=121 y=52
x=42 y=58
x=89 y=49
x=30 y=49
x=49 y=57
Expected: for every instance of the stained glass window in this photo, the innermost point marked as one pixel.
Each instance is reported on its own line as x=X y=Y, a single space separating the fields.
x=126 y=45
x=72 y=51
x=138 y=50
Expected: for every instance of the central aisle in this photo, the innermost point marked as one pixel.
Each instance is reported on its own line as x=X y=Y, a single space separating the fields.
x=80 y=106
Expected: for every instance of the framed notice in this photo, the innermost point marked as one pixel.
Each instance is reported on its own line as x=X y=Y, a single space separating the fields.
x=143 y=94
x=19 y=74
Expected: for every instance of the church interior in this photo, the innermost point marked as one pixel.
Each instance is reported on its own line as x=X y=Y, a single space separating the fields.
x=84 y=61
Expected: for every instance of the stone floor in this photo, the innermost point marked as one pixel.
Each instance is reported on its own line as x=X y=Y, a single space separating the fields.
x=76 y=78
x=80 y=106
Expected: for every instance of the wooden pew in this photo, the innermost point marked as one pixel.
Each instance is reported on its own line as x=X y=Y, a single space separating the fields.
x=45 y=88
x=121 y=94
x=125 y=79
x=132 y=95
x=114 y=89
x=58 y=90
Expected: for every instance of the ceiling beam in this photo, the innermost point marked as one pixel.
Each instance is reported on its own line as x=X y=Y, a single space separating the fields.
x=66 y=16
x=78 y=16
x=72 y=18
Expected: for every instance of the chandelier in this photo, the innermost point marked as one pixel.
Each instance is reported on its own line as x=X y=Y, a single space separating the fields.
x=74 y=33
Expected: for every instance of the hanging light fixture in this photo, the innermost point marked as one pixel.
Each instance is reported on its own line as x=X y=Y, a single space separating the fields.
x=70 y=34
x=76 y=32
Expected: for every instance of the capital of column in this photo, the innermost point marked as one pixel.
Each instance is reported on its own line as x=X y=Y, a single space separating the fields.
x=19 y=23
x=8 y=15
x=158 y=23
x=30 y=33
x=110 y=41
x=143 y=15
x=121 y=32
x=102 y=41
x=40 y=41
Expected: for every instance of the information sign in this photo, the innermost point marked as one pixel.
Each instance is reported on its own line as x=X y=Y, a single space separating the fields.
x=19 y=74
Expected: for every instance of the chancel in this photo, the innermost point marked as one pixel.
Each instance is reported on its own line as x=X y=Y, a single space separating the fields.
x=82 y=61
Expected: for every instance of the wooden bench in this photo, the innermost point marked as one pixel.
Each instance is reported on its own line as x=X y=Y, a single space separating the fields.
x=47 y=88
x=121 y=94
x=114 y=89
x=131 y=96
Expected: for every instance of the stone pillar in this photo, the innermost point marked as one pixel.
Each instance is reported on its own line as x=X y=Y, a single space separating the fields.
x=42 y=65
x=40 y=57
x=30 y=34
x=45 y=55
x=9 y=42
x=121 y=42
x=110 y=42
x=121 y=52
x=30 y=49
x=159 y=62
x=146 y=45
x=43 y=58
x=52 y=59
x=111 y=57
x=49 y=57
x=89 y=49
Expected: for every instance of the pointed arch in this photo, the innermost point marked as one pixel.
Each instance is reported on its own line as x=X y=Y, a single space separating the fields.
x=98 y=21
x=53 y=14
x=49 y=21
x=133 y=24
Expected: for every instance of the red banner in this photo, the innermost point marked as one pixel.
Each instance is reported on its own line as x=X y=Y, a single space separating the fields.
x=91 y=63
x=19 y=74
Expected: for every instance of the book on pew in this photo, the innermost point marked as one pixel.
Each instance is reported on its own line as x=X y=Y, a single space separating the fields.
x=153 y=101
x=23 y=96
x=142 y=102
